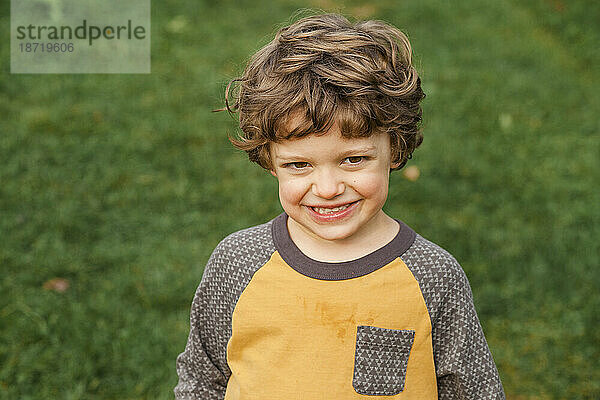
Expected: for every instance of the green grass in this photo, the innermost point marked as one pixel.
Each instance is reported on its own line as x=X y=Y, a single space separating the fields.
x=123 y=184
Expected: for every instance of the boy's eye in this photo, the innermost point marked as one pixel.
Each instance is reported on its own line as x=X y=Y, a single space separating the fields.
x=297 y=165
x=353 y=159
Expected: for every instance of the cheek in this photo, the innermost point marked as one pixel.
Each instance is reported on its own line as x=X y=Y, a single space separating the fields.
x=373 y=186
x=291 y=191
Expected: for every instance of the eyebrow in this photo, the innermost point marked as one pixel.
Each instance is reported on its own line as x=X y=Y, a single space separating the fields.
x=357 y=150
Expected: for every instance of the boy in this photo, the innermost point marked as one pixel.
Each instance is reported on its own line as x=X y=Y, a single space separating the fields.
x=333 y=299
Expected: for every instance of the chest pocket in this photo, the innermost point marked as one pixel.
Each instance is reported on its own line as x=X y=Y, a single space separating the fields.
x=380 y=360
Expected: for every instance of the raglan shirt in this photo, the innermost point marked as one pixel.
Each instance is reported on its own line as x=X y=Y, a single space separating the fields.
x=268 y=322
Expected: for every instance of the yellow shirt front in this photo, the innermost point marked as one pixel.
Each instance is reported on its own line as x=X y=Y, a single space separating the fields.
x=294 y=337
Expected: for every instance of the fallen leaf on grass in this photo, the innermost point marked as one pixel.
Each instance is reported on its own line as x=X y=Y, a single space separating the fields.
x=59 y=285
x=177 y=24
x=505 y=120
x=97 y=117
x=411 y=173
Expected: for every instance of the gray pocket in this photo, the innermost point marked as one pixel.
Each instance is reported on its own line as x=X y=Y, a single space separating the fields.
x=380 y=360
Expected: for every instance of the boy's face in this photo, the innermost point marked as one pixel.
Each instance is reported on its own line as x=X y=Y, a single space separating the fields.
x=333 y=188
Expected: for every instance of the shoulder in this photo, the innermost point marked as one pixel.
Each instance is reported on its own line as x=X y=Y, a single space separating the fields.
x=436 y=270
x=246 y=241
x=243 y=251
x=428 y=259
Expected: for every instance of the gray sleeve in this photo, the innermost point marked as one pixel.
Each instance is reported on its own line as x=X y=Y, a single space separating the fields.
x=202 y=367
x=200 y=376
x=464 y=365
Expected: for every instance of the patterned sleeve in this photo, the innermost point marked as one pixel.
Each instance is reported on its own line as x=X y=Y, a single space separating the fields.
x=202 y=367
x=200 y=377
x=464 y=363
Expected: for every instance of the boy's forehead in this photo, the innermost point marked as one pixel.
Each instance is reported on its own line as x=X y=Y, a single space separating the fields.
x=331 y=142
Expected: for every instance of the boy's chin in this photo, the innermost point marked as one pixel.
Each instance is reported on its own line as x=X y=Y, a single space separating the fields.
x=327 y=233
x=331 y=236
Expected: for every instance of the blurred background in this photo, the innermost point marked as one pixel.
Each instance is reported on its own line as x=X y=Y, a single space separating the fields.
x=114 y=190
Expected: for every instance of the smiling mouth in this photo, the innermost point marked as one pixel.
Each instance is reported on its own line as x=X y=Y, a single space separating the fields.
x=332 y=210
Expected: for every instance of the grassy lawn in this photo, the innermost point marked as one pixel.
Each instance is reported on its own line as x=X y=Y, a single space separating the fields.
x=123 y=184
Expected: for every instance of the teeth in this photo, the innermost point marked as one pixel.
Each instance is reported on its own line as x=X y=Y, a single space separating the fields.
x=322 y=210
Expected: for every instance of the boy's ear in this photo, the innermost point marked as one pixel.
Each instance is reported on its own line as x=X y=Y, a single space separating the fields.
x=272 y=171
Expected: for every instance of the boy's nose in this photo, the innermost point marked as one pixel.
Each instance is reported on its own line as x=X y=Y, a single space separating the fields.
x=328 y=186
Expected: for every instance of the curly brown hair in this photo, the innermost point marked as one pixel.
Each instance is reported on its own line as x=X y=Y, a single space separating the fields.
x=326 y=69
